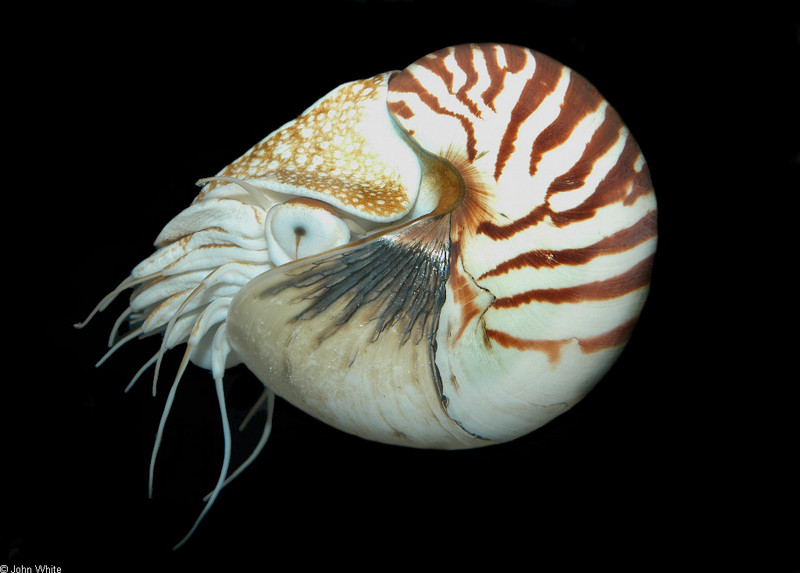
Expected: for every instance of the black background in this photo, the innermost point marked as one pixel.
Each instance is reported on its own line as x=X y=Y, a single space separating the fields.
x=681 y=458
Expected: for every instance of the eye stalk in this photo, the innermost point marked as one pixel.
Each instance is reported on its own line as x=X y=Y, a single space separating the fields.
x=302 y=227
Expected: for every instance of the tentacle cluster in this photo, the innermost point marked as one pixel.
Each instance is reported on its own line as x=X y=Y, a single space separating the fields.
x=297 y=193
x=183 y=290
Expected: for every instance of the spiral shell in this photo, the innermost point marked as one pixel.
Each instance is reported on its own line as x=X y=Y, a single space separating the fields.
x=448 y=256
x=533 y=277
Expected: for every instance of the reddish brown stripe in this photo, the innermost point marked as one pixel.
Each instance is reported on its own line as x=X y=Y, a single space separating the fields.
x=621 y=241
x=603 y=138
x=435 y=63
x=465 y=293
x=615 y=184
x=498 y=232
x=615 y=187
x=641 y=185
x=406 y=82
x=401 y=109
x=634 y=278
x=464 y=58
x=580 y=100
x=497 y=76
x=610 y=339
x=552 y=348
x=622 y=183
x=517 y=58
x=540 y=85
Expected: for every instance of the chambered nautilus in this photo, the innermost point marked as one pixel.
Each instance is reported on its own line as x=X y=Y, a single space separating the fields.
x=448 y=256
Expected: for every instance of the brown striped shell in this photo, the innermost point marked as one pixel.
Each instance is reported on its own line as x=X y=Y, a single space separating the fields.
x=492 y=228
x=533 y=277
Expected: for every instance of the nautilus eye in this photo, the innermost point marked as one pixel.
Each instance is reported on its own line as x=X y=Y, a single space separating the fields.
x=506 y=228
x=302 y=227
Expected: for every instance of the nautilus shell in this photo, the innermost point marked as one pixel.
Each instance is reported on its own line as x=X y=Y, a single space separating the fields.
x=448 y=256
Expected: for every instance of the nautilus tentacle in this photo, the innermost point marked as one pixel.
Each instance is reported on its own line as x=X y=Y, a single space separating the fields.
x=204 y=256
x=448 y=256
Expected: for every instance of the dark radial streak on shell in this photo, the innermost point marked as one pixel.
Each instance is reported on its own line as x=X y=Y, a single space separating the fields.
x=401 y=279
x=396 y=280
x=423 y=282
x=359 y=281
x=370 y=287
x=395 y=305
x=322 y=273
